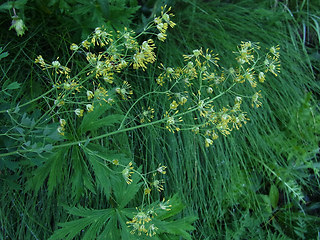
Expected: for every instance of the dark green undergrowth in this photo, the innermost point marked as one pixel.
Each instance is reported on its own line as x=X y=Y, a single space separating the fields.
x=260 y=182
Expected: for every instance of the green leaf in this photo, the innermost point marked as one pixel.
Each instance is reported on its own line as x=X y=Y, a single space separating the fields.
x=125 y=233
x=92 y=219
x=56 y=172
x=265 y=204
x=13 y=85
x=9 y=164
x=103 y=122
x=111 y=231
x=104 y=7
x=52 y=2
x=19 y=4
x=6 y=6
x=52 y=169
x=123 y=192
x=98 y=157
x=3 y=54
x=106 y=154
x=274 y=196
x=93 y=121
x=180 y=227
x=81 y=178
x=102 y=174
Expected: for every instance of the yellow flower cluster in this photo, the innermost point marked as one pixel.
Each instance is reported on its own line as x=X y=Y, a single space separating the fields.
x=144 y=55
x=126 y=173
x=124 y=91
x=196 y=85
x=141 y=223
x=55 y=65
x=107 y=54
x=172 y=121
x=147 y=115
x=61 y=128
x=163 y=22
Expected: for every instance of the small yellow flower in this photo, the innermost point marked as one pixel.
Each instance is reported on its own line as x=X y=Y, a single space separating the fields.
x=214 y=135
x=166 y=16
x=275 y=51
x=174 y=105
x=56 y=64
x=171 y=122
x=169 y=70
x=89 y=107
x=138 y=222
x=208 y=142
x=152 y=230
x=98 y=31
x=190 y=65
x=272 y=65
x=161 y=169
x=196 y=53
x=147 y=191
x=60 y=130
x=144 y=55
x=124 y=91
x=40 y=60
x=162 y=27
x=238 y=100
x=164 y=205
x=101 y=94
x=62 y=122
x=126 y=173
x=239 y=78
x=255 y=99
x=157 y=20
x=59 y=102
x=79 y=112
x=161 y=36
x=115 y=162
x=158 y=184
x=67 y=86
x=122 y=64
x=86 y=44
x=249 y=76
x=90 y=94
x=74 y=47
x=196 y=130
x=245 y=52
x=209 y=90
x=261 y=77
x=147 y=114
x=160 y=80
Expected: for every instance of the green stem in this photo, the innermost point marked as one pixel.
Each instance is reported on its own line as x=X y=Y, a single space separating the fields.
x=121 y=125
x=33 y=100
x=120 y=130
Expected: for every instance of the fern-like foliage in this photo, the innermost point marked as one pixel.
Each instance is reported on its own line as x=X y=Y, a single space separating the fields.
x=54 y=170
x=298 y=141
x=112 y=223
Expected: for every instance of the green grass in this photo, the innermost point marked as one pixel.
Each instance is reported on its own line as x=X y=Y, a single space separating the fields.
x=224 y=184
x=230 y=185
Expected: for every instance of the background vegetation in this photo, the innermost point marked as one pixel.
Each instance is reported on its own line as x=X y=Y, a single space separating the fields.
x=260 y=182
